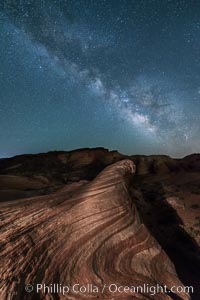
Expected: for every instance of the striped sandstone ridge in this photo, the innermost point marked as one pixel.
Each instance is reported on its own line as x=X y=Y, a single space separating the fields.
x=89 y=235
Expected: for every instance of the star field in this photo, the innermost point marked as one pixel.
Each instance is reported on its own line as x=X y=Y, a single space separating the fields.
x=121 y=74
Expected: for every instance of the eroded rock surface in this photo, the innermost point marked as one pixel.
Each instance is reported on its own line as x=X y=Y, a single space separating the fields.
x=89 y=235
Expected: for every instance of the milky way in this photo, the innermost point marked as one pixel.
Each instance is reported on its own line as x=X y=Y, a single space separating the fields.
x=120 y=74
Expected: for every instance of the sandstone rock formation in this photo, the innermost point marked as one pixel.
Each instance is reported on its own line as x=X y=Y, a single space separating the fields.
x=55 y=169
x=175 y=202
x=92 y=234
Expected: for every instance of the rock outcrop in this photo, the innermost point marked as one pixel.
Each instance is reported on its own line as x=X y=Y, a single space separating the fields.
x=90 y=235
x=61 y=167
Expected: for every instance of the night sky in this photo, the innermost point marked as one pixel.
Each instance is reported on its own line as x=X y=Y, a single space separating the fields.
x=123 y=75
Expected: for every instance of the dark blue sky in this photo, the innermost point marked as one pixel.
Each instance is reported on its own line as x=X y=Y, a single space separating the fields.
x=120 y=74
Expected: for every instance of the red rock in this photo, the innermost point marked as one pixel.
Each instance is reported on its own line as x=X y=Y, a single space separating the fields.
x=91 y=235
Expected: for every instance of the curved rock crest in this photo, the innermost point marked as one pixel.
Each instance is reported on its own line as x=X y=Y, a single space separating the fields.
x=91 y=235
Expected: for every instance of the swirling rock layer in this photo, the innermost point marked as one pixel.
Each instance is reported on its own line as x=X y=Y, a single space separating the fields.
x=92 y=234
